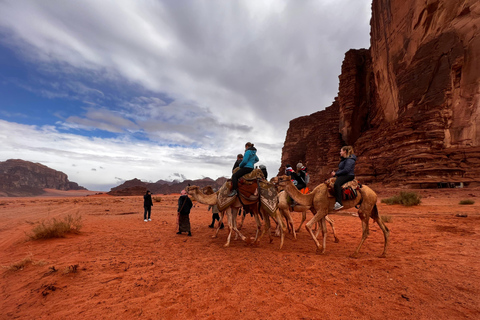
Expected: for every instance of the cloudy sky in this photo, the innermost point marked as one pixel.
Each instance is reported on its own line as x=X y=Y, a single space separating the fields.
x=107 y=91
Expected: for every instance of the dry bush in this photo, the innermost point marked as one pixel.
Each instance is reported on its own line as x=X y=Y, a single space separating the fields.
x=157 y=199
x=54 y=228
x=405 y=198
x=467 y=201
x=386 y=218
x=20 y=265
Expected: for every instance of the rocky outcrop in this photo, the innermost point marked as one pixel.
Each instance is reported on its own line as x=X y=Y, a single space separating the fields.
x=137 y=187
x=410 y=105
x=24 y=178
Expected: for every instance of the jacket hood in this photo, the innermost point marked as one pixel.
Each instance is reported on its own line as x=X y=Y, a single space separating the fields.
x=353 y=157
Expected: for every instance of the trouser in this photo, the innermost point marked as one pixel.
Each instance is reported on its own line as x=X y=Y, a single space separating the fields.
x=341 y=180
x=237 y=175
x=148 y=210
x=215 y=216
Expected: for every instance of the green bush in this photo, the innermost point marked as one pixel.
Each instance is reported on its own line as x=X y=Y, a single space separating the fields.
x=54 y=228
x=468 y=201
x=405 y=198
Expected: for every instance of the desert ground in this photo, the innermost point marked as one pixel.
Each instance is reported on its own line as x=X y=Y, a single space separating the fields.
x=120 y=267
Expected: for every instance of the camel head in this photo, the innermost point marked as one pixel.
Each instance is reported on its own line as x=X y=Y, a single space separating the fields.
x=282 y=181
x=191 y=190
x=208 y=190
x=274 y=181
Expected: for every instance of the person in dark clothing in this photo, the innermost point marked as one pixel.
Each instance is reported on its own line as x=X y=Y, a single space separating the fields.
x=246 y=166
x=215 y=216
x=345 y=173
x=300 y=177
x=264 y=171
x=183 y=211
x=147 y=206
x=288 y=170
x=237 y=163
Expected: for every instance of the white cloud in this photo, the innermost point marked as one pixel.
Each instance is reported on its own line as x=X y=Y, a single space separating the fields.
x=229 y=71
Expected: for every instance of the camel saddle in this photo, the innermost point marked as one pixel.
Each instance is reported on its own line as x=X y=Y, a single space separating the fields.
x=349 y=189
x=249 y=188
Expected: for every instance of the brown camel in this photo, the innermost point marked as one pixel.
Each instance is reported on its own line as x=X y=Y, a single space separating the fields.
x=212 y=199
x=318 y=198
x=284 y=208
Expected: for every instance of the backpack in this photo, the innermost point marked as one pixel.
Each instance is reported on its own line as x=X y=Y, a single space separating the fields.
x=307 y=178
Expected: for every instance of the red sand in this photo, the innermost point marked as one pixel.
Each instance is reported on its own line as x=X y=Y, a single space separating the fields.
x=127 y=268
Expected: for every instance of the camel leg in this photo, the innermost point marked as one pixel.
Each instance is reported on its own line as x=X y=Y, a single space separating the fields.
x=243 y=220
x=365 y=233
x=289 y=221
x=304 y=217
x=330 y=220
x=232 y=223
x=230 y=228
x=317 y=217
x=376 y=217
x=259 y=229
x=282 y=233
x=220 y=221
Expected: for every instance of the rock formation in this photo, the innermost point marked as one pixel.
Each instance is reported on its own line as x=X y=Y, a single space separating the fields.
x=24 y=178
x=137 y=187
x=410 y=105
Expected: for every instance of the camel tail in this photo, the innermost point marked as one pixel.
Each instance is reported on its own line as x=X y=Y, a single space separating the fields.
x=376 y=216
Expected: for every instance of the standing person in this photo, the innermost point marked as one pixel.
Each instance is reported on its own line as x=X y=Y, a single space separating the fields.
x=147 y=206
x=345 y=173
x=215 y=216
x=246 y=166
x=183 y=211
x=237 y=163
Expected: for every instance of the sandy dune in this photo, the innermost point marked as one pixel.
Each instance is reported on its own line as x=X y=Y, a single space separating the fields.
x=120 y=267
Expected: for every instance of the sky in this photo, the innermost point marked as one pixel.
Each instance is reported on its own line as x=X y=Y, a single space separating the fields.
x=107 y=91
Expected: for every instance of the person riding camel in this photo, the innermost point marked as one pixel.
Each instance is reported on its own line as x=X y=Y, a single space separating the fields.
x=345 y=173
x=301 y=177
x=246 y=166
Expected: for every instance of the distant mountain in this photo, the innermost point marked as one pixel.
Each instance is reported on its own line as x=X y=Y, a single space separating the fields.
x=138 y=187
x=19 y=178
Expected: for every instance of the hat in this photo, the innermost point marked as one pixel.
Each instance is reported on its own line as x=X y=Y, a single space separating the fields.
x=299 y=165
x=183 y=193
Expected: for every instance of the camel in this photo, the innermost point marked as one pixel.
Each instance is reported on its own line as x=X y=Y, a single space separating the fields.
x=212 y=199
x=284 y=208
x=318 y=198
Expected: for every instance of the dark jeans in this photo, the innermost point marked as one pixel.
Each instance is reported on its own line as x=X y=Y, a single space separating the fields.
x=237 y=175
x=341 y=180
x=215 y=216
x=147 y=210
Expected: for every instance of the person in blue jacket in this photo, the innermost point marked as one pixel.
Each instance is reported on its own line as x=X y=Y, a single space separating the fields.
x=246 y=166
x=345 y=173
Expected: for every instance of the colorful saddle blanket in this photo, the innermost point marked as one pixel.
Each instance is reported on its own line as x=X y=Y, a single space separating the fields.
x=350 y=189
x=250 y=190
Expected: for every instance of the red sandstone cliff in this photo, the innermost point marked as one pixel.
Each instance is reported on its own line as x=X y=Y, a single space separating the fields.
x=24 y=178
x=410 y=105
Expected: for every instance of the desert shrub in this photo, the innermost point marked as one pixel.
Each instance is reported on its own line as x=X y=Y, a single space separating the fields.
x=54 y=228
x=20 y=264
x=386 y=218
x=404 y=198
x=157 y=199
x=467 y=201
